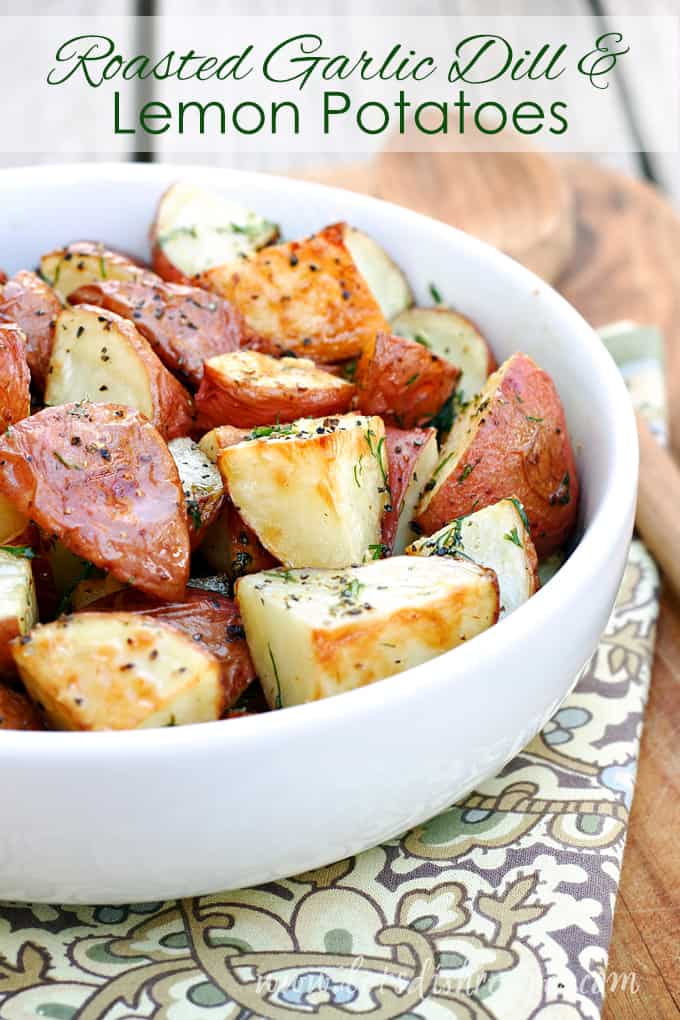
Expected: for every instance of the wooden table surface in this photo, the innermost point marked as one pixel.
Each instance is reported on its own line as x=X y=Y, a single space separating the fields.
x=626 y=264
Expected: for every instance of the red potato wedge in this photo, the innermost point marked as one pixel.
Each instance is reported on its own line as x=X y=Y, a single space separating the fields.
x=118 y=671
x=247 y=389
x=219 y=439
x=231 y=547
x=314 y=490
x=496 y=537
x=18 y=605
x=32 y=304
x=385 y=279
x=411 y=457
x=512 y=440
x=305 y=297
x=15 y=527
x=451 y=336
x=402 y=381
x=184 y=325
x=12 y=522
x=317 y=633
x=202 y=485
x=211 y=620
x=33 y=544
x=17 y=712
x=67 y=269
x=100 y=478
x=196 y=229
x=96 y=589
x=100 y=356
x=15 y=378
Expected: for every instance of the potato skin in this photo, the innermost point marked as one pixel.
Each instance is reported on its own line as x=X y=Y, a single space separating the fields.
x=32 y=304
x=184 y=325
x=253 y=389
x=208 y=618
x=15 y=378
x=17 y=711
x=403 y=450
x=402 y=381
x=100 y=477
x=307 y=297
x=517 y=444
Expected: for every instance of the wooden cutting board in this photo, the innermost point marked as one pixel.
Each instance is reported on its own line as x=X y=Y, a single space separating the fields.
x=611 y=245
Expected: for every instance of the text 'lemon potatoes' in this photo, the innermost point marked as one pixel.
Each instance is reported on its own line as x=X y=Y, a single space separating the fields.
x=430 y=117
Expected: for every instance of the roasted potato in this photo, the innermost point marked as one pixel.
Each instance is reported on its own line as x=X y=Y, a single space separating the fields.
x=100 y=356
x=453 y=337
x=12 y=522
x=412 y=457
x=96 y=589
x=315 y=633
x=17 y=712
x=512 y=440
x=305 y=297
x=67 y=571
x=100 y=478
x=196 y=229
x=118 y=671
x=15 y=378
x=385 y=279
x=184 y=325
x=202 y=486
x=314 y=490
x=496 y=537
x=219 y=439
x=84 y=262
x=18 y=605
x=247 y=388
x=231 y=547
x=402 y=381
x=211 y=620
x=30 y=303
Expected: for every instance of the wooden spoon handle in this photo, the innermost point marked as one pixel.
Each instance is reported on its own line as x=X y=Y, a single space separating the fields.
x=658 y=509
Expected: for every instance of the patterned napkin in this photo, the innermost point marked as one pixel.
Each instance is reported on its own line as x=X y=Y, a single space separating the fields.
x=498 y=909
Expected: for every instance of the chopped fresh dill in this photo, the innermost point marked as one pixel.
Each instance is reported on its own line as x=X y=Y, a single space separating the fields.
x=521 y=511
x=66 y=463
x=22 y=551
x=513 y=537
x=279 y=701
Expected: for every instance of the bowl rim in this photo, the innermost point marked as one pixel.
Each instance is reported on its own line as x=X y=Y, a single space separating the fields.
x=584 y=564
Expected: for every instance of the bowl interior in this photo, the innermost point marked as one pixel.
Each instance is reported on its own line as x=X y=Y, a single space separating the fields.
x=49 y=206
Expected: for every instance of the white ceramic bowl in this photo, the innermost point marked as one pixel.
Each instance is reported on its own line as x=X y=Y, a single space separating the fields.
x=155 y=814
